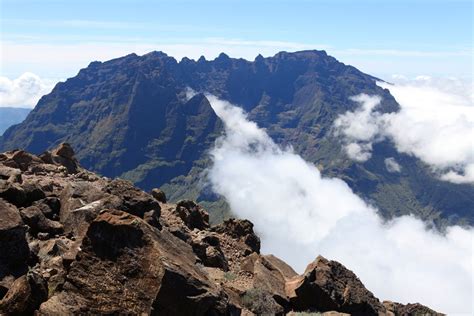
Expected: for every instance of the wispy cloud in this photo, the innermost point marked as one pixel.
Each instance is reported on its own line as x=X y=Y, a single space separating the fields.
x=435 y=124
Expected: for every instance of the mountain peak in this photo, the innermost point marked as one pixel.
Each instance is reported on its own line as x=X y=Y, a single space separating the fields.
x=223 y=56
x=156 y=54
x=259 y=58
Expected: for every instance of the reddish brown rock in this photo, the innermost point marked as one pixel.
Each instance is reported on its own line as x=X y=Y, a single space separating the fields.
x=12 y=192
x=38 y=223
x=329 y=286
x=409 y=309
x=133 y=200
x=192 y=215
x=206 y=245
x=64 y=155
x=241 y=230
x=64 y=150
x=13 y=245
x=24 y=296
x=151 y=272
x=23 y=160
x=159 y=195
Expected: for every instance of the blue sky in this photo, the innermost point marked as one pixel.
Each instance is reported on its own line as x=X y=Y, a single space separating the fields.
x=54 y=39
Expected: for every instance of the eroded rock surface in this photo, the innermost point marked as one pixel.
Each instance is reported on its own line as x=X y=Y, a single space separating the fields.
x=72 y=242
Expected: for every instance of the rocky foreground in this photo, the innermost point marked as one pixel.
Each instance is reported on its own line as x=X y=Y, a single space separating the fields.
x=72 y=242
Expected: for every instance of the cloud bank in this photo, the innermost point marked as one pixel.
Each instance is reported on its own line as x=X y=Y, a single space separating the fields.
x=24 y=91
x=299 y=214
x=435 y=124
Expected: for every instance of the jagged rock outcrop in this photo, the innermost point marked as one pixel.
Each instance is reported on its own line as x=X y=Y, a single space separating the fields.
x=76 y=243
x=13 y=245
x=408 y=309
x=328 y=285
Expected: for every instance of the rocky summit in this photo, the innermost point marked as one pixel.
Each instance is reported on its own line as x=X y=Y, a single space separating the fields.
x=72 y=242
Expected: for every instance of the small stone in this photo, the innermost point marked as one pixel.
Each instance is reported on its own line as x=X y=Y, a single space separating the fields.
x=159 y=195
x=43 y=236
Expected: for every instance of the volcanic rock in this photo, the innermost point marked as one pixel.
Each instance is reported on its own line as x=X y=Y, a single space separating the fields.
x=37 y=221
x=329 y=286
x=134 y=201
x=159 y=195
x=192 y=215
x=409 y=309
x=25 y=295
x=78 y=243
x=13 y=244
x=242 y=230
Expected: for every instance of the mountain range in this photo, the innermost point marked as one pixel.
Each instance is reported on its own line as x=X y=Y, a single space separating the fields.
x=134 y=118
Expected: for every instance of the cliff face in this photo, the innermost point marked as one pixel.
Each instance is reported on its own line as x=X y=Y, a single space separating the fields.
x=73 y=242
x=130 y=117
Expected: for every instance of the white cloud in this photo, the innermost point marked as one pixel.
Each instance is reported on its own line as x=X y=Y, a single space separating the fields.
x=392 y=165
x=299 y=214
x=24 y=91
x=455 y=177
x=360 y=128
x=359 y=151
x=435 y=124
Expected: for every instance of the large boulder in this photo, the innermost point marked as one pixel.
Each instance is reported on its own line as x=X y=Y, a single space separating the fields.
x=12 y=175
x=192 y=215
x=159 y=195
x=134 y=201
x=13 y=245
x=241 y=230
x=151 y=272
x=25 y=295
x=267 y=284
x=12 y=192
x=206 y=245
x=64 y=155
x=329 y=286
x=39 y=223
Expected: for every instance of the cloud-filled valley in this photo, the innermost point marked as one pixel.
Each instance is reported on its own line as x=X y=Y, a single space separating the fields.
x=300 y=214
x=435 y=124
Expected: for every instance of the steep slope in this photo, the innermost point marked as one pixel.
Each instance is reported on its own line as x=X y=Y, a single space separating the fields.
x=130 y=117
x=11 y=116
x=73 y=242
